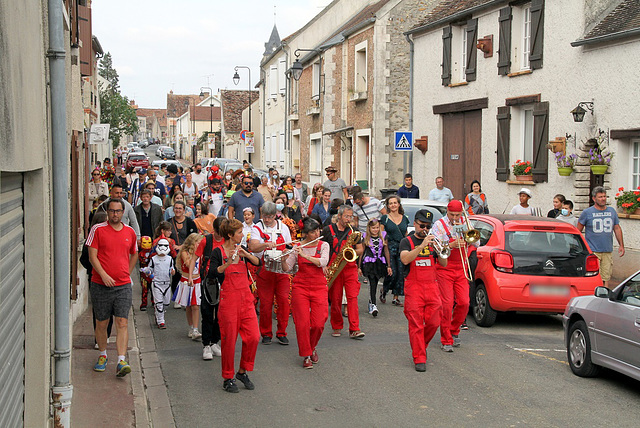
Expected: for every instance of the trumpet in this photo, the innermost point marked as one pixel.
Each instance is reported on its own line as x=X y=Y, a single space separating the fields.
x=286 y=253
x=441 y=247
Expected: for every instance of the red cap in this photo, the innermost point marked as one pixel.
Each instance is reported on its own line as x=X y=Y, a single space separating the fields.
x=455 y=206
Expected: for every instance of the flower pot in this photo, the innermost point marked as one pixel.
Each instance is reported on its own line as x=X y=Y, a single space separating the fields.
x=599 y=169
x=565 y=171
x=634 y=211
x=524 y=178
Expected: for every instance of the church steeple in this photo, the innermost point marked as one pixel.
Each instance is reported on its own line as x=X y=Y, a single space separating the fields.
x=273 y=43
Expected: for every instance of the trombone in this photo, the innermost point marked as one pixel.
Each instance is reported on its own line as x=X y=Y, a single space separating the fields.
x=471 y=236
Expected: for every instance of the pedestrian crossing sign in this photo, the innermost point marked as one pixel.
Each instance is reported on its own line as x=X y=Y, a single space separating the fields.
x=403 y=141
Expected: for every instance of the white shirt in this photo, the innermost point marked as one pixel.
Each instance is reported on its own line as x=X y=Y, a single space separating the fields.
x=272 y=232
x=443 y=195
x=200 y=180
x=519 y=209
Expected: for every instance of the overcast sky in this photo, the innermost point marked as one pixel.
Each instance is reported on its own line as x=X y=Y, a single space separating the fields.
x=160 y=45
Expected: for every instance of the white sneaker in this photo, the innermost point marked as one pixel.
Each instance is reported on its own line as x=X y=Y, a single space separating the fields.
x=206 y=353
x=374 y=311
x=215 y=349
x=190 y=334
x=370 y=308
x=176 y=305
x=196 y=335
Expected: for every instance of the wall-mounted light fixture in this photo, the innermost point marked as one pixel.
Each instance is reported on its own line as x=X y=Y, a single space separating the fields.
x=579 y=112
x=296 y=67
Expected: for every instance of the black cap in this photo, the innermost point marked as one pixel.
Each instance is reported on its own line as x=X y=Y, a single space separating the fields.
x=424 y=216
x=214 y=181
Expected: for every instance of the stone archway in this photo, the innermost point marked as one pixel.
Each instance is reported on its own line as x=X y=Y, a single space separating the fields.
x=585 y=180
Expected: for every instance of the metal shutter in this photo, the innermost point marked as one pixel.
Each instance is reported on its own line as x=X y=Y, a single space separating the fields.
x=11 y=300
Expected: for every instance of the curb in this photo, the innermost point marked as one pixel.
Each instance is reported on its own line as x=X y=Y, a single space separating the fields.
x=152 y=406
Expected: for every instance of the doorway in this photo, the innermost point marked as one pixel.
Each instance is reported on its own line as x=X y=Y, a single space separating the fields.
x=461 y=150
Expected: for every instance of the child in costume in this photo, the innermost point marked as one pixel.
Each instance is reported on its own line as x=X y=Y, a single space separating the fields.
x=188 y=292
x=144 y=256
x=161 y=270
x=374 y=264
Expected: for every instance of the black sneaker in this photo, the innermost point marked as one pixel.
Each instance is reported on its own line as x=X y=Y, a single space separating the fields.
x=283 y=340
x=229 y=385
x=266 y=340
x=244 y=378
x=421 y=367
x=464 y=326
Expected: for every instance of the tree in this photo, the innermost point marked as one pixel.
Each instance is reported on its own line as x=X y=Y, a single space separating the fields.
x=114 y=107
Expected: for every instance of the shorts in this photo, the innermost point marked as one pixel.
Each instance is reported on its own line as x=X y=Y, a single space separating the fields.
x=109 y=301
x=606 y=263
x=186 y=295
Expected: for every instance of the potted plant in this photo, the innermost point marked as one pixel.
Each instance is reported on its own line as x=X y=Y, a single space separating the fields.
x=565 y=163
x=629 y=200
x=522 y=170
x=599 y=159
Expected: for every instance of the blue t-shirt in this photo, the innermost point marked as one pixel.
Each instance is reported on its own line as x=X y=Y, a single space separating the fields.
x=239 y=201
x=598 y=226
x=443 y=195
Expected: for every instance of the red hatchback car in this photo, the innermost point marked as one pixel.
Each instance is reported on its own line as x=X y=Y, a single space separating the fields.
x=137 y=160
x=529 y=264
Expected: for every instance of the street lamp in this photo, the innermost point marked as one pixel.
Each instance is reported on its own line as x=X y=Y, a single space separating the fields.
x=236 y=80
x=296 y=68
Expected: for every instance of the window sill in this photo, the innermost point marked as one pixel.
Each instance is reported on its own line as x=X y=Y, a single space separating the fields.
x=520 y=73
x=455 y=85
x=521 y=183
x=629 y=216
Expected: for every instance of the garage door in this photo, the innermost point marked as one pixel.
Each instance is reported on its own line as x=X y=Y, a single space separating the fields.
x=11 y=300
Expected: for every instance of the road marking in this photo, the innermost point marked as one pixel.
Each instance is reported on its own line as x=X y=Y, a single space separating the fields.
x=536 y=352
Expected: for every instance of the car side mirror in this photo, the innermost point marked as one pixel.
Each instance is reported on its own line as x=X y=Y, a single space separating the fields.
x=603 y=292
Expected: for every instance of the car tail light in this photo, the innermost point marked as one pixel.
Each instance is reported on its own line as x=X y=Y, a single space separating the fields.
x=592 y=265
x=502 y=261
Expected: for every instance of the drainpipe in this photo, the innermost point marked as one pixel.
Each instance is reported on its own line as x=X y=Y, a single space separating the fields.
x=411 y=51
x=287 y=88
x=62 y=390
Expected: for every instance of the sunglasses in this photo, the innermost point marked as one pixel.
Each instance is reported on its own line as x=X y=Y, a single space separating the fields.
x=248 y=183
x=423 y=225
x=95 y=173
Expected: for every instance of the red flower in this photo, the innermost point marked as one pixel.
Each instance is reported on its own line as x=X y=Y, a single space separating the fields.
x=617 y=194
x=637 y=193
x=621 y=189
x=638 y=199
x=528 y=163
x=528 y=169
x=518 y=161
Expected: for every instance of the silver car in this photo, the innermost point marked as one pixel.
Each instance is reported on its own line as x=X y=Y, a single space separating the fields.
x=603 y=330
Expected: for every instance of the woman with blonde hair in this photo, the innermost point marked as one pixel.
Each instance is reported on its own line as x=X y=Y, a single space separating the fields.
x=188 y=291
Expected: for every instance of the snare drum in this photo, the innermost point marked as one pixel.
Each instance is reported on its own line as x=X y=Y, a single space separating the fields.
x=273 y=262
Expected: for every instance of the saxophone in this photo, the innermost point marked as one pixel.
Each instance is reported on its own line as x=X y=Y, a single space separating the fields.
x=347 y=255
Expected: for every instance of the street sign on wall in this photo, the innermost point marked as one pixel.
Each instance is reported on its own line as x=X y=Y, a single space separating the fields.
x=403 y=141
x=99 y=133
x=249 y=146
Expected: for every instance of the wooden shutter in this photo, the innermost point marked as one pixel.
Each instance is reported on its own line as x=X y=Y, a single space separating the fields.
x=540 y=140
x=537 y=34
x=504 y=46
x=472 y=52
x=504 y=134
x=446 y=56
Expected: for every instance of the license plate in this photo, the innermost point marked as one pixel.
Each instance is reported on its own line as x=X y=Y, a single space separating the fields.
x=549 y=290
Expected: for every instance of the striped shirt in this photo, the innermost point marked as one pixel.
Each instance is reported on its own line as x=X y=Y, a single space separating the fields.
x=369 y=211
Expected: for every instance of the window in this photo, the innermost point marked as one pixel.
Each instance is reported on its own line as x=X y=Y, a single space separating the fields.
x=315 y=88
x=282 y=69
x=315 y=153
x=463 y=54
x=527 y=133
x=273 y=81
x=361 y=67
x=635 y=164
x=521 y=37
x=459 y=53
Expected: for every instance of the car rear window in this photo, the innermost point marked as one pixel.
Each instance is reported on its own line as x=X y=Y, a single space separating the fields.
x=546 y=253
x=411 y=210
x=137 y=157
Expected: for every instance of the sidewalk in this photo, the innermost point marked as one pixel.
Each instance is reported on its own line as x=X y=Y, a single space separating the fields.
x=102 y=399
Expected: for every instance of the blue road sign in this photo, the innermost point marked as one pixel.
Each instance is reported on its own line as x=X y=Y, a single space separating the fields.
x=403 y=141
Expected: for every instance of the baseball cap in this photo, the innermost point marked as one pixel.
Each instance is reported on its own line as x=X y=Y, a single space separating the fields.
x=455 y=206
x=525 y=191
x=142 y=171
x=424 y=216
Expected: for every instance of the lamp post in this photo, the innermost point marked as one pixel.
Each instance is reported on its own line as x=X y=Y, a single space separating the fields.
x=236 y=80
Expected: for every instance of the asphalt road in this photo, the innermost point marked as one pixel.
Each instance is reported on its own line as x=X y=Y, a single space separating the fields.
x=512 y=374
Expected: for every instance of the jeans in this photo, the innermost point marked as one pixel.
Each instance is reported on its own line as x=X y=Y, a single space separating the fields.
x=395 y=282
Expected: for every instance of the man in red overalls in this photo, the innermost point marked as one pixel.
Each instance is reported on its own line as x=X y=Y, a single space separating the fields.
x=336 y=236
x=269 y=233
x=422 y=296
x=453 y=284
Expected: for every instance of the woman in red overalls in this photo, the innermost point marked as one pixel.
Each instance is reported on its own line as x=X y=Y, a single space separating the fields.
x=422 y=303
x=236 y=312
x=310 y=297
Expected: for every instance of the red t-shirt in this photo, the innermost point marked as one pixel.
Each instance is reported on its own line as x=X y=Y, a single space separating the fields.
x=203 y=243
x=114 y=250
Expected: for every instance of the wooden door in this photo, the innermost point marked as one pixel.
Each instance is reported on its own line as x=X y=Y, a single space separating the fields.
x=461 y=143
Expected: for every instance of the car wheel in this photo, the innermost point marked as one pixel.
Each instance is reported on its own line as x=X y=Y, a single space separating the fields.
x=579 y=351
x=483 y=313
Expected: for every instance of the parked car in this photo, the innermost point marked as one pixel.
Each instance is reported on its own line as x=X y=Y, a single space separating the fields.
x=221 y=162
x=143 y=144
x=232 y=166
x=412 y=206
x=532 y=264
x=168 y=153
x=160 y=149
x=166 y=162
x=601 y=330
x=137 y=160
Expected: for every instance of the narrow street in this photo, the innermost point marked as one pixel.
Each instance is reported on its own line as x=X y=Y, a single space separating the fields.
x=513 y=374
